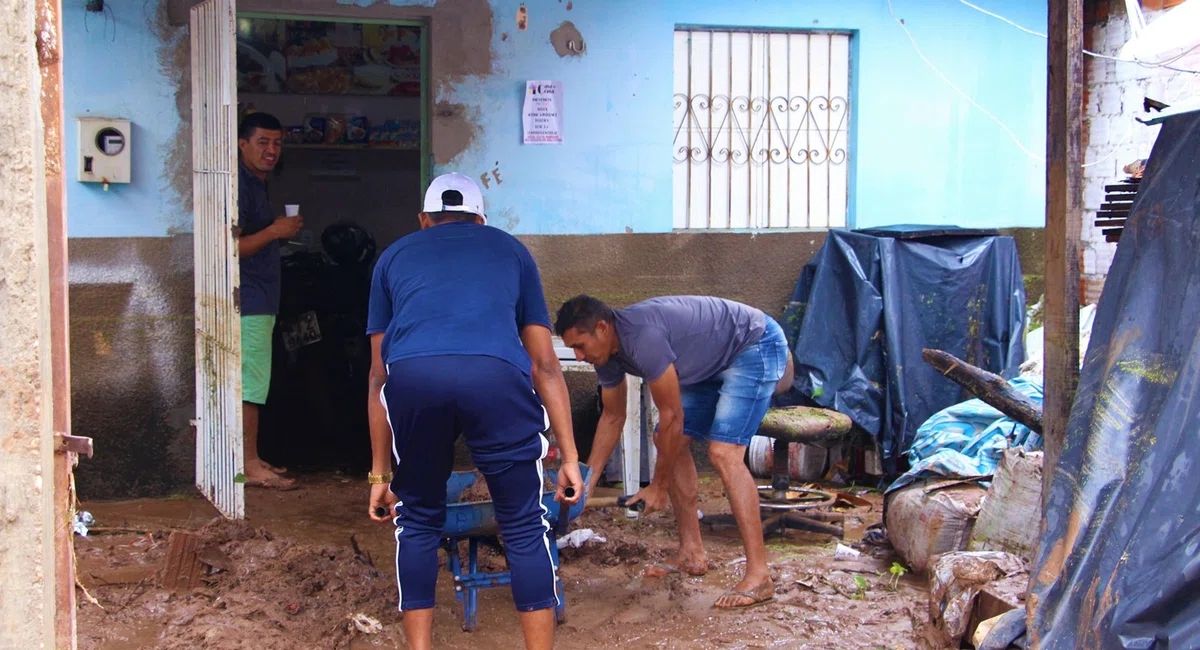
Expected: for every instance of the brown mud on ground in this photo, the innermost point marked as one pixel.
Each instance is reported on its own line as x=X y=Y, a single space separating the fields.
x=294 y=578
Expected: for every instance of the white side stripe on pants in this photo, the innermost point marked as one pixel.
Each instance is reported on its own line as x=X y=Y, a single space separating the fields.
x=545 y=524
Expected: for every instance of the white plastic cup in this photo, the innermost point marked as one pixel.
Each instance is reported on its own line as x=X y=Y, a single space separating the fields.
x=291 y=210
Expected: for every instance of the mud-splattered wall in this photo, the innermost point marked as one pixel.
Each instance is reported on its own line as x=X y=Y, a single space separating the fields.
x=920 y=152
x=922 y=155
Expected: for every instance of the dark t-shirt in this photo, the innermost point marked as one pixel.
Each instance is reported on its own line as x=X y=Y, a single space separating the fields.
x=260 y=272
x=456 y=289
x=701 y=335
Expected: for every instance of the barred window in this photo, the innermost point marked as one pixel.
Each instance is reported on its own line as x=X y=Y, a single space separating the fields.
x=761 y=129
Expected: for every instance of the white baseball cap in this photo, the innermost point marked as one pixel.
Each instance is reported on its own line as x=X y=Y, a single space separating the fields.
x=454 y=193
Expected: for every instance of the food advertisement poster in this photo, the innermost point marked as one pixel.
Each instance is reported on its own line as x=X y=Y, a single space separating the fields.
x=327 y=58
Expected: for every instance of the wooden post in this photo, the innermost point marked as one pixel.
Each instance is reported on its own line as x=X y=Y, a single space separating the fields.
x=1064 y=214
x=49 y=49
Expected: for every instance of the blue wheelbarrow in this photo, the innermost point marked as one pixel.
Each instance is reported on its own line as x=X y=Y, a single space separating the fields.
x=475 y=523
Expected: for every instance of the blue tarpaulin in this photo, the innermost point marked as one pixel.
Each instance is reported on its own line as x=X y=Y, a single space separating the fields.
x=869 y=302
x=967 y=440
x=1119 y=562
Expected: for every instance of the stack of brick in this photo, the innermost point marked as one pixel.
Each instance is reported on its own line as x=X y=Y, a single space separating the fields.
x=1113 y=96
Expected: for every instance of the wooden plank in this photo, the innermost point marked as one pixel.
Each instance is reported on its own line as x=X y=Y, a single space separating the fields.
x=995 y=599
x=1122 y=187
x=182 y=568
x=1112 y=231
x=1064 y=211
x=1116 y=206
x=1111 y=214
x=49 y=24
x=1113 y=238
x=1109 y=223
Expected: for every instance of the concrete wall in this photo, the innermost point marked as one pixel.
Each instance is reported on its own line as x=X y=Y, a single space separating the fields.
x=1112 y=138
x=27 y=569
x=624 y=269
x=924 y=155
x=133 y=364
x=132 y=345
x=128 y=63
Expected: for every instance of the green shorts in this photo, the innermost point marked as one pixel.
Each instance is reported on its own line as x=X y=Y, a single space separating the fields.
x=256 y=357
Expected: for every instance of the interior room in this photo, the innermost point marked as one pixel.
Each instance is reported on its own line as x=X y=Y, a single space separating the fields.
x=351 y=98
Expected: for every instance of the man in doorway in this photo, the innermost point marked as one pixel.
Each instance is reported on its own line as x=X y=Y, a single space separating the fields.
x=260 y=143
x=712 y=366
x=460 y=343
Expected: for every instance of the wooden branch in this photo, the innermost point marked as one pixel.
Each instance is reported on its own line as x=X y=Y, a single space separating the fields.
x=989 y=387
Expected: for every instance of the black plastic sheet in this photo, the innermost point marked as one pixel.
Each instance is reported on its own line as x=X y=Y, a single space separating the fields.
x=870 y=301
x=1119 y=563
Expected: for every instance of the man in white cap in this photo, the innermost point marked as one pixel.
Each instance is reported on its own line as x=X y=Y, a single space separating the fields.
x=460 y=343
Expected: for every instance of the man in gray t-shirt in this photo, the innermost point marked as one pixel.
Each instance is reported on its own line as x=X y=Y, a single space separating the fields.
x=712 y=366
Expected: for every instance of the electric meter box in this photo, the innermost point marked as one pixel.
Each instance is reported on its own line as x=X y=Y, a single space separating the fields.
x=105 y=150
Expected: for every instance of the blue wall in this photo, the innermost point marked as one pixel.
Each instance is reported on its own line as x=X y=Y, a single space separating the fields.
x=922 y=154
x=111 y=68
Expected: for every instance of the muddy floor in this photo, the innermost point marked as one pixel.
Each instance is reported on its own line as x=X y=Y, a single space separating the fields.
x=290 y=576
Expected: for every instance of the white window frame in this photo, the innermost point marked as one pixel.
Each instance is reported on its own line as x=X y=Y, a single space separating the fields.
x=761 y=130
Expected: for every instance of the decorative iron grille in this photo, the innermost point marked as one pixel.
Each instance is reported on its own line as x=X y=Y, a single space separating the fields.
x=761 y=129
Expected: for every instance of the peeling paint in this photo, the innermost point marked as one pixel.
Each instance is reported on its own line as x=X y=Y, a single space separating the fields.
x=175 y=62
x=567 y=40
x=522 y=18
x=455 y=127
x=506 y=220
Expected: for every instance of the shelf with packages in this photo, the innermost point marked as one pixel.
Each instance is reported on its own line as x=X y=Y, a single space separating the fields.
x=321 y=146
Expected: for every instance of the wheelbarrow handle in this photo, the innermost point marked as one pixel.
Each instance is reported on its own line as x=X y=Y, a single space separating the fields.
x=615 y=502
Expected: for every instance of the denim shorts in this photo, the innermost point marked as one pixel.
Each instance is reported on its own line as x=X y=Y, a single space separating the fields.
x=730 y=406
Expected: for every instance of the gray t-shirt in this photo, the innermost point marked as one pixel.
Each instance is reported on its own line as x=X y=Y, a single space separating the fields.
x=701 y=335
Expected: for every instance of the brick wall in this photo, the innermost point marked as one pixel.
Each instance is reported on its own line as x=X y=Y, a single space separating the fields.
x=1111 y=137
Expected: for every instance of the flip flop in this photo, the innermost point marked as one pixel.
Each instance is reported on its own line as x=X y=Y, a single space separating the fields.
x=755 y=600
x=277 y=470
x=277 y=483
x=670 y=570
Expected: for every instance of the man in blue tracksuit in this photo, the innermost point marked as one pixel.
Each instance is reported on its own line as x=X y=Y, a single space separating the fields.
x=460 y=340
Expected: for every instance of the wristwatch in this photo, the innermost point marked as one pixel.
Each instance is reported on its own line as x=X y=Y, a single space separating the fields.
x=379 y=479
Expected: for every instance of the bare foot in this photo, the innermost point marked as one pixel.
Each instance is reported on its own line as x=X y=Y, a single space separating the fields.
x=258 y=475
x=747 y=593
x=693 y=564
x=275 y=468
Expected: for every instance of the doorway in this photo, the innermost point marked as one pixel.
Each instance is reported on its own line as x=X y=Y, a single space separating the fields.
x=353 y=96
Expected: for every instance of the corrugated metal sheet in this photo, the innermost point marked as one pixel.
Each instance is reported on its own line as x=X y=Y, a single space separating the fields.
x=219 y=458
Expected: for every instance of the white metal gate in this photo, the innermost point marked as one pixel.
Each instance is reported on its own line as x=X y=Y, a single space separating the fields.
x=761 y=129
x=219 y=457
